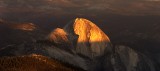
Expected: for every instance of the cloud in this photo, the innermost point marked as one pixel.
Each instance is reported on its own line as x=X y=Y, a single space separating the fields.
x=125 y=7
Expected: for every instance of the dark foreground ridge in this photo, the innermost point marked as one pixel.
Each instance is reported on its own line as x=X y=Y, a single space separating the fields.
x=32 y=63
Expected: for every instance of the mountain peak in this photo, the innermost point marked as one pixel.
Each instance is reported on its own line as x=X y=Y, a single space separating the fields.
x=92 y=41
x=84 y=26
x=58 y=36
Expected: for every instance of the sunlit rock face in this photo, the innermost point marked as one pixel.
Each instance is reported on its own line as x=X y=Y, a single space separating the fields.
x=92 y=41
x=58 y=36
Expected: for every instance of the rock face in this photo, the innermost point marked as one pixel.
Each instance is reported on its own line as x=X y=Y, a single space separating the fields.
x=92 y=41
x=127 y=59
x=122 y=58
x=58 y=36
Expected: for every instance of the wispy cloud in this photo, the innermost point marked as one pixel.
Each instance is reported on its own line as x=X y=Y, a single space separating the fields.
x=130 y=7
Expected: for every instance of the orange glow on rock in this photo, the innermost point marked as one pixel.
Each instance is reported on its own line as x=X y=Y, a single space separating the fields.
x=90 y=34
x=86 y=29
x=58 y=36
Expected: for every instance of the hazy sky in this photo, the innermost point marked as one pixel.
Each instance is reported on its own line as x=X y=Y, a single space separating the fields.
x=123 y=7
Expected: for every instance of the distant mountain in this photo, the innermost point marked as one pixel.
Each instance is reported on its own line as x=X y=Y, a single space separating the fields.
x=83 y=45
x=13 y=33
x=19 y=26
x=24 y=26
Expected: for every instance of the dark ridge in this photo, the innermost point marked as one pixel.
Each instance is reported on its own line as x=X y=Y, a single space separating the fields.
x=70 y=65
x=46 y=42
x=61 y=46
x=32 y=63
x=83 y=56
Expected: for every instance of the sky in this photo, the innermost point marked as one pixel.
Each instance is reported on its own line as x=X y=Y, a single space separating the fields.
x=82 y=7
